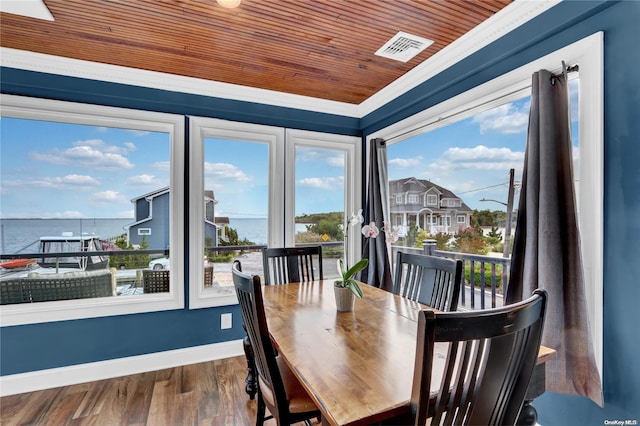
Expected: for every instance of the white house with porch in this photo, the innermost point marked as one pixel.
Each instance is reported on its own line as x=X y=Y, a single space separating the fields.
x=421 y=202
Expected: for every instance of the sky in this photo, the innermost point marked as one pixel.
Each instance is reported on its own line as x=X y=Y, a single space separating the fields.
x=58 y=170
x=472 y=157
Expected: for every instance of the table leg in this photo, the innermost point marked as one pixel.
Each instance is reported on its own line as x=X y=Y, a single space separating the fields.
x=528 y=415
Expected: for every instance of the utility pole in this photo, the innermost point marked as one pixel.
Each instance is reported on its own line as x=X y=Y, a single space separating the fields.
x=509 y=205
x=507 y=228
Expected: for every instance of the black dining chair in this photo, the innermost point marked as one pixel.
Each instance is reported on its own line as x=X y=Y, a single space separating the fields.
x=430 y=280
x=278 y=388
x=283 y=265
x=490 y=360
x=155 y=281
x=292 y=264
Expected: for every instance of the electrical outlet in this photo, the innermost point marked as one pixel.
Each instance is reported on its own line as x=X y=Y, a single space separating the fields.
x=225 y=321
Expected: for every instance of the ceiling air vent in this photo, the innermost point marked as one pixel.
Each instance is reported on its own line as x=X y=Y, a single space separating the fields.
x=403 y=47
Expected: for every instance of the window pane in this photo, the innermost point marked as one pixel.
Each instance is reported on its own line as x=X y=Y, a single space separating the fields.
x=319 y=202
x=75 y=188
x=236 y=206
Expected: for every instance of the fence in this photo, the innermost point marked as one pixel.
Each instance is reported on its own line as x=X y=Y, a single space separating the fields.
x=485 y=277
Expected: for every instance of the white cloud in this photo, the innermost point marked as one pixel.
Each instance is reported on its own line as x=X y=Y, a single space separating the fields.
x=406 y=162
x=335 y=160
x=143 y=180
x=454 y=160
x=507 y=118
x=225 y=171
x=329 y=157
x=107 y=197
x=327 y=183
x=125 y=214
x=92 y=154
x=79 y=180
x=68 y=182
x=162 y=165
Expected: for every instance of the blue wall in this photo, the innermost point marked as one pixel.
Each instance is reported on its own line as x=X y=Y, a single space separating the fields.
x=562 y=25
x=102 y=338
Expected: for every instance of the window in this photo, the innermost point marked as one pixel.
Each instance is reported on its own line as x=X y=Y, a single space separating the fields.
x=79 y=164
x=461 y=219
x=317 y=169
x=398 y=198
x=432 y=200
x=512 y=87
x=235 y=197
x=413 y=199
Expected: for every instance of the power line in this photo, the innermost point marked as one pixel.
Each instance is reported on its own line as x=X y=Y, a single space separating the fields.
x=482 y=189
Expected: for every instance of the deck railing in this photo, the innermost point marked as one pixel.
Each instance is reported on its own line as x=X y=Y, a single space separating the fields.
x=484 y=288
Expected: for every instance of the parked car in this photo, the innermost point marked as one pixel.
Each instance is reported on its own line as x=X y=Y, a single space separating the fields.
x=159 y=264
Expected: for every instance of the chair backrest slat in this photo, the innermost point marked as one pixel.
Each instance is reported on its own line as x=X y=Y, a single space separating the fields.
x=292 y=264
x=430 y=280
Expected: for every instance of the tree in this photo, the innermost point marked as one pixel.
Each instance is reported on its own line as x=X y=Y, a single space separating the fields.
x=470 y=240
x=328 y=226
x=484 y=218
x=497 y=236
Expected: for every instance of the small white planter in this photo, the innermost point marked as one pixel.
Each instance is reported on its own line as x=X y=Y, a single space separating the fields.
x=345 y=299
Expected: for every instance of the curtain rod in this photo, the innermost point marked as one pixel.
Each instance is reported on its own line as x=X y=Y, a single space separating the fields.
x=565 y=71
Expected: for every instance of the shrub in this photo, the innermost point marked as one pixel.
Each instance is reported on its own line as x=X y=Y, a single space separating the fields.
x=487 y=275
x=129 y=261
x=470 y=240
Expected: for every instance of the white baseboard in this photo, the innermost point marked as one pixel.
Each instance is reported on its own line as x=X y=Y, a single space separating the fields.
x=81 y=373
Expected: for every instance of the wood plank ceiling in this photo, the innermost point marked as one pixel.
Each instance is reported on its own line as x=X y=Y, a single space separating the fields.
x=319 y=48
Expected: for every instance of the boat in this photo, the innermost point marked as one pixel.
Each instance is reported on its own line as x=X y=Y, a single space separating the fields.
x=69 y=243
x=18 y=263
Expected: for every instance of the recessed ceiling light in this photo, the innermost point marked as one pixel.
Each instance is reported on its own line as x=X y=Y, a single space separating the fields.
x=229 y=4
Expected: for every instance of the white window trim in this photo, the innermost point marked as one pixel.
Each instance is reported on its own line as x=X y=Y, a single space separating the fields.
x=588 y=54
x=199 y=129
x=78 y=113
x=463 y=217
x=352 y=148
x=434 y=199
x=413 y=198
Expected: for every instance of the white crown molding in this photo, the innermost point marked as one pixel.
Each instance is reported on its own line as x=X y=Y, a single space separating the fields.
x=506 y=20
x=82 y=373
x=31 y=8
x=39 y=62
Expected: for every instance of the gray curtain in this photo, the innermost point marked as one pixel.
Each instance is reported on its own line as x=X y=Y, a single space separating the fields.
x=378 y=273
x=546 y=252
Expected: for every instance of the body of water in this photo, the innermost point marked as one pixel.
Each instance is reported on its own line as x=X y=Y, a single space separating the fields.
x=19 y=235
x=256 y=229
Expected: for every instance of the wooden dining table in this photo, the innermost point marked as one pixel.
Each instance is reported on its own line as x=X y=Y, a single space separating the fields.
x=357 y=366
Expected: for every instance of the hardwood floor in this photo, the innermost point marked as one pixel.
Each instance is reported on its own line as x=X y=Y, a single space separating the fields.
x=209 y=393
